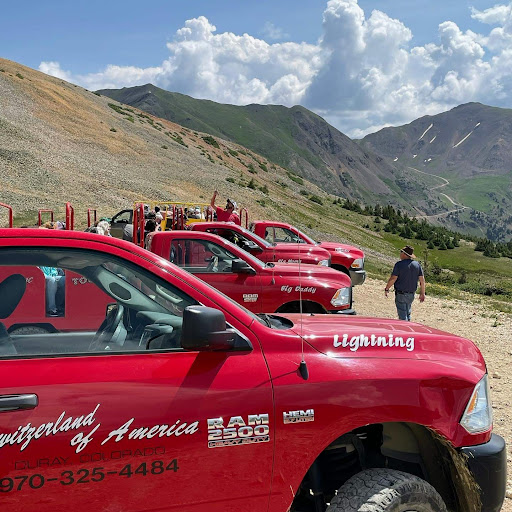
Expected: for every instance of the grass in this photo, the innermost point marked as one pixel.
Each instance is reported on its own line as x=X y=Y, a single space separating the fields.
x=469 y=192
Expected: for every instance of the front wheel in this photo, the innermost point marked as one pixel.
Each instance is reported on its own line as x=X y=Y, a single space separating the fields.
x=386 y=490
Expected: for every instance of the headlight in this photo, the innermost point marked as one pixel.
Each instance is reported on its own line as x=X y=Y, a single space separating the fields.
x=359 y=263
x=341 y=297
x=477 y=417
x=324 y=263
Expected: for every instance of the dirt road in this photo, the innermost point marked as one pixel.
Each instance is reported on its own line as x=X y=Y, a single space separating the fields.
x=491 y=331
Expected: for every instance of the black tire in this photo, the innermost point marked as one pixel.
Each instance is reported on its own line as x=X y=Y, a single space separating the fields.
x=386 y=490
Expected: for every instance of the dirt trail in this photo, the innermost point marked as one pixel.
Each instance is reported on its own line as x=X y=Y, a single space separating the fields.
x=488 y=329
x=459 y=208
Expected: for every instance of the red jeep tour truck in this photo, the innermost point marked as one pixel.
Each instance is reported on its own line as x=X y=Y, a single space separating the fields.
x=184 y=400
x=260 y=287
x=264 y=250
x=345 y=258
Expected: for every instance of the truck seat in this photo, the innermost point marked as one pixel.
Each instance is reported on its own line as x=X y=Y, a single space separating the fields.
x=12 y=289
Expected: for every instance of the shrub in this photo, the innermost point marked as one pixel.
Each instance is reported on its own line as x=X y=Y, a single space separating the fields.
x=210 y=140
x=251 y=169
x=232 y=152
x=230 y=179
x=97 y=93
x=164 y=147
x=19 y=75
x=117 y=108
x=264 y=189
x=251 y=184
x=304 y=192
x=177 y=138
x=263 y=167
x=316 y=199
x=113 y=130
x=296 y=179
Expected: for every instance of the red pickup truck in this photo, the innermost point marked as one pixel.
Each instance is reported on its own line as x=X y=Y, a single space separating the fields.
x=260 y=287
x=264 y=250
x=183 y=400
x=346 y=258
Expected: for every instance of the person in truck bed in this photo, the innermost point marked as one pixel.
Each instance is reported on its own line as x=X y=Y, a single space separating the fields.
x=227 y=214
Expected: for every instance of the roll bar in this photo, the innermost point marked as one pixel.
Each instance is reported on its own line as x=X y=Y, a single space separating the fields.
x=9 y=208
x=138 y=224
x=70 y=217
x=40 y=216
x=91 y=211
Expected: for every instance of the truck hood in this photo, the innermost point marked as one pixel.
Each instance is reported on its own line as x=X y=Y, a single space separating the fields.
x=350 y=337
x=342 y=248
x=292 y=251
x=309 y=273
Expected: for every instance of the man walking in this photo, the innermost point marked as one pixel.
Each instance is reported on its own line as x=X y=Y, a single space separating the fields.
x=405 y=276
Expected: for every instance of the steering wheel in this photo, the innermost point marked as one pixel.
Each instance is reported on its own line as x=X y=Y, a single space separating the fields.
x=107 y=329
x=216 y=251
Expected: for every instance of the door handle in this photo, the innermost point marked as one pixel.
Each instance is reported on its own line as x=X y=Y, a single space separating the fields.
x=18 y=402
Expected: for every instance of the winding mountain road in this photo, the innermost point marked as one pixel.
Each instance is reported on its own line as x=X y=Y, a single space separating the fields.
x=459 y=208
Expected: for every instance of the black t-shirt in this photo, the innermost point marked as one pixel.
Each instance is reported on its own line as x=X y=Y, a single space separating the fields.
x=408 y=272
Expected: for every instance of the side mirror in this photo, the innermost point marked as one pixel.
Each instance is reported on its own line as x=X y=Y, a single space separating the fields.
x=250 y=246
x=240 y=266
x=205 y=329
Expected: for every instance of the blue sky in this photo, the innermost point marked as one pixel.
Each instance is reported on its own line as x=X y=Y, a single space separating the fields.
x=419 y=67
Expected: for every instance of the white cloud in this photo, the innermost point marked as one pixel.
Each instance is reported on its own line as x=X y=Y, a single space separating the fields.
x=497 y=15
x=53 y=68
x=361 y=75
x=270 y=31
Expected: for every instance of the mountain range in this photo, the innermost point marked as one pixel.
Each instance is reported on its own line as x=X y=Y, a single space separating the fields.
x=453 y=168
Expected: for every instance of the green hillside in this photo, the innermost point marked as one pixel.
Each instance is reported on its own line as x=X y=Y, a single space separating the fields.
x=294 y=138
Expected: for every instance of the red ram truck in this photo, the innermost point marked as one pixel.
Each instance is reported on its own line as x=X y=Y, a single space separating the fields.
x=183 y=400
x=345 y=258
x=264 y=250
x=260 y=287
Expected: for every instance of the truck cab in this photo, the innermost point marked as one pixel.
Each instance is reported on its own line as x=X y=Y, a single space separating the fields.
x=264 y=250
x=260 y=287
x=345 y=258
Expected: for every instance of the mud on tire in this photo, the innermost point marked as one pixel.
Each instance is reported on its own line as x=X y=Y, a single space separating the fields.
x=386 y=490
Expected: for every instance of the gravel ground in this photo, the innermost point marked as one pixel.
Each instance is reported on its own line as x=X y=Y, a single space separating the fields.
x=488 y=329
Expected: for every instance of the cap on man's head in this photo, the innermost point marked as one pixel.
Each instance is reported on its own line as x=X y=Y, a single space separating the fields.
x=230 y=201
x=409 y=251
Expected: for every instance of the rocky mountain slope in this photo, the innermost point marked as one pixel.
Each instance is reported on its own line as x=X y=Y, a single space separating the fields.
x=466 y=154
x=295 y=138
x=60 y=142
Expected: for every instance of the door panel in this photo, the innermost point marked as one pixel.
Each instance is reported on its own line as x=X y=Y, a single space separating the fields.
x=106 y=463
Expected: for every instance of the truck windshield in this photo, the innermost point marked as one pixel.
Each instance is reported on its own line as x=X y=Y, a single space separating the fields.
x=260 y=241
x=308 y=239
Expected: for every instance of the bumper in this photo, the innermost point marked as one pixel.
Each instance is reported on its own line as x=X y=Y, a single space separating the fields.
x=488 y=464
x=350 y=311
x=357 y=276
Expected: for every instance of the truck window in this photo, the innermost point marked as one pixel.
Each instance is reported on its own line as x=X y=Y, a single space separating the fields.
x=124 y=217
x=200 y=256
x=285 y=235
x=108 y=305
